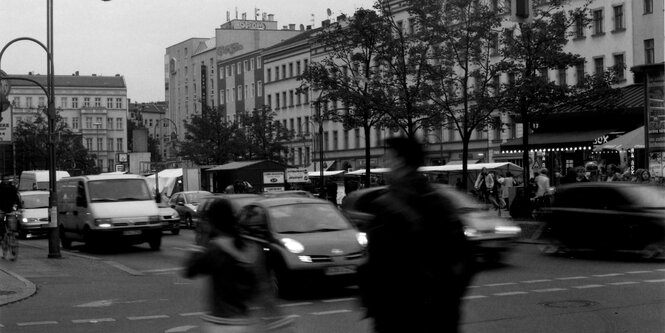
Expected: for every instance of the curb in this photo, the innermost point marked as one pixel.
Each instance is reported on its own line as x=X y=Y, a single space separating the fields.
x=24 y=292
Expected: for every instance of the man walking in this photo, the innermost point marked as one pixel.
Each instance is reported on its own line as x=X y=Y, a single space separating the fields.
x=419 y=263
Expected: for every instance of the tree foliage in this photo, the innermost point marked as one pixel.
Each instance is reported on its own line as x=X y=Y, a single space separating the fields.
x=263 y=137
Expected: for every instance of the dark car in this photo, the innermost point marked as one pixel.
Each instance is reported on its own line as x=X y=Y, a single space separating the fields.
x=491 y=235
x=290 y=193
x=169 y=217
x=307 y=241
x=186 y=204
x=237 y=201
x=601 y=216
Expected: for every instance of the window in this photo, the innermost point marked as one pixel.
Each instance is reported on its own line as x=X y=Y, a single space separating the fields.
x=269 y=75
x=118 y=123
x=298 y=67
x=412 y=25
x=109 y=123
x=511 y=79
x=277 y=101
x=118 y=103
x=326 y=141
x=16 y=101
x=246 y=90
x=258 y=62
x=41 y=102
x=618 y=18
x=508 y=36
x=245 y=66
x=100 y=144
x=252 y=92
x=598 y=22
x=75 y=122
x=63 y=102
x=98 y=102
x=284 y=99
x=75 y=102
x=233 y=94
x=109 y=103
x=619 y=66
x=649 y=57
x=494 y=44
x=306 y=125
x=283 y=71
x=377 y=132
x=86 y=102
x=346 y=139
x=240 y=92
x=290 y=97
x=648 y=6
x=579 y=26
x=356 y=135
x=28 y=102
x=109 y=144
x=228 y=70
x=221 y=72
x=599 y=65
x=88 y=143
x=118 y=143
x=306 y=92
x=238 y=68
x=335 y=140
x=270 y=101
x=276 y=73
x=98 y=120
x=222 y=97
x=88 y=122
x=579 y=72
x=259 y=88
x=562 y=76
x=290 y=69
x=293 y=126
x=251 y=64
x=305 y=64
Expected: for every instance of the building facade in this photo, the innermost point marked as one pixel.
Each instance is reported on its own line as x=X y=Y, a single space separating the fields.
x=93 y=106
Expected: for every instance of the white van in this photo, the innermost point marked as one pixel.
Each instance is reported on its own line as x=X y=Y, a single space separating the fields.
x=38 y=179
x=103 y=208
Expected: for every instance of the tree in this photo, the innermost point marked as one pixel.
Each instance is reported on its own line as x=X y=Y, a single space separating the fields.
x=210 y=139
x=31 y=141
x=262 y=136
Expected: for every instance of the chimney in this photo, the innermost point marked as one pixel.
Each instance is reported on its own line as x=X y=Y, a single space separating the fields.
x=292 y=26
x=31 y=73
x=285 y=27
x=271 y=17
x=325 y=23
x=77 y=73
x=94 y=74
x=341 y=18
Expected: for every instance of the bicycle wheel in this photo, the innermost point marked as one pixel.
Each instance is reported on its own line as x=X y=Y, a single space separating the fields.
x=13 y=245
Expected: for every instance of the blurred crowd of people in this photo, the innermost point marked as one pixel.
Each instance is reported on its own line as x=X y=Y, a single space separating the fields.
x=591 y=172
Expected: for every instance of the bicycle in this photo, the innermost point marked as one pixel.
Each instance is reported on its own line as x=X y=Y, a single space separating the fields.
x=9 y=235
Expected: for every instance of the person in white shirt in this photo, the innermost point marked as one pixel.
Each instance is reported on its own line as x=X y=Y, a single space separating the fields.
x=542 y=183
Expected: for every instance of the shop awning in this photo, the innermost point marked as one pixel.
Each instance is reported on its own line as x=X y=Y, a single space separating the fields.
x=314 y=174
x=630 y=140
x=362 y=171
x=558 y=140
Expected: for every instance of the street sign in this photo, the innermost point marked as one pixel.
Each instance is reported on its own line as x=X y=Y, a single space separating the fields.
x=275 y=178
x=296 y=175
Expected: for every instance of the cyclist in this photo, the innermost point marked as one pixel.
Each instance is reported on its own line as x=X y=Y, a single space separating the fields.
x=9 y=202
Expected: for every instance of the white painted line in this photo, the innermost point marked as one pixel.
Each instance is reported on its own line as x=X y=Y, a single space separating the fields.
x=655 y=281
x=473 y=287
x=182 y=283
x=192 y=314
x=608 y=275
x=474 y=297
x=180 y=329
x=322 y=313
x=511 y=293
x=148 y=317
x=638 y=272
x=174 y=269
x=35 y=323
x=123 y=268
x=536 y=281
x=573 y=278
x=549 y=290
x=92 y=321
x=623 y=283
x=339 y=300
x=661 y=269
x=294 y=304
x=501 y=284
x=587 y=286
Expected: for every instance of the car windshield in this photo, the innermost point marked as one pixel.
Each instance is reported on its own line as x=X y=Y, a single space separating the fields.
x=195 y=198
x=108 y=190
x=646 y=196
x=305 y=218
x=35 y=200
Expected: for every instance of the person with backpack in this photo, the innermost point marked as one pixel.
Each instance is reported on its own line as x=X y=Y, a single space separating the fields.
x=419 y=261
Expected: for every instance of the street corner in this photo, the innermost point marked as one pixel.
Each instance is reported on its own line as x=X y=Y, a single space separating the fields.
x=14 y=287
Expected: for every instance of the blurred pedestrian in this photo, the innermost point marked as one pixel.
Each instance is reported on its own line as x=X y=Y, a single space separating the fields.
x=236 y=271
x=484 y=184
x=495 y=196
x=419 y=261
x=642 y=176
x=614 y=174
x=542 y=183
x=581 y=175
x=507 y=183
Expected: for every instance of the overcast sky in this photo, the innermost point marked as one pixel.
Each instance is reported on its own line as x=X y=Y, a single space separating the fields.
x=130 y=37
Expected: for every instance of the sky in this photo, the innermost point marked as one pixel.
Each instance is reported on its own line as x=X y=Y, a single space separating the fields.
x=130 y=37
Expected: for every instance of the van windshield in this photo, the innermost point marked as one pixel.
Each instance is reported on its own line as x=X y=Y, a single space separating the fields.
x=109 y=190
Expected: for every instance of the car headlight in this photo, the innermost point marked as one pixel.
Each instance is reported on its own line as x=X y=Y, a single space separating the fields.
x=362 y=239
x=175 y=216
x=470 y=232
x=507 y=229
x=104 y=223
x=293 y=245
x=29 y=220
x=305 y=258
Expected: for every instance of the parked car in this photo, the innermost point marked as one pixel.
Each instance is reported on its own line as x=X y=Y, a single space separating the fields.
x=306 y=240
x=602 y=216
x=491 y=236
x=168 y=216
x=290 y=193
x=237 y=202
x=186 y=204
x=33 y=214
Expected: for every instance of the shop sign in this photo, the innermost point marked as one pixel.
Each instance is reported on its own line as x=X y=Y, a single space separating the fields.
x=296 y=176
x=6 y=127
x=273 y=178
x=229 y=49
x=273 y=189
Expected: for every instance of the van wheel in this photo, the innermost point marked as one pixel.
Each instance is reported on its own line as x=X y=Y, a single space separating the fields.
x=66 y=242
x=155 y=242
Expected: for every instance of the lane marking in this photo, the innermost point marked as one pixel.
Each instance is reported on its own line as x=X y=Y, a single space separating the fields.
x=549 y=290
x=511 y=293
x=623 y=283
x=163 y=270
x=474 y=297
x=501 y=284
x=294 y=304
x=148 y=317
x=661 y=269
x=536 y=281
x=655 y=281
x=339 y=300
x=587 y=286
x=192 y=314
x=180 y=329
x=608 y=275
x=35 y=323
x=92 y=321
x=123 y=268
x=322 y=313
x=638 y=272
x=573 y=278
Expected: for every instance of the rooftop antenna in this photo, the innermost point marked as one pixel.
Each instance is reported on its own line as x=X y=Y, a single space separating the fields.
x=228 y=16
x=313 y=20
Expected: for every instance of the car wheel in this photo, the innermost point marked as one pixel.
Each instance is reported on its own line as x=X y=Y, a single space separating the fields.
x=64 y=240
x=654 y=251
x=155 y=241
x=175 y=231
x=281 y=282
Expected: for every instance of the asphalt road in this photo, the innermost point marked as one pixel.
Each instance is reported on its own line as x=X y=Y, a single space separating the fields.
x=138 y=290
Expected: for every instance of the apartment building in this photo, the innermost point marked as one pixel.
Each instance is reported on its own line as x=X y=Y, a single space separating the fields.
x=93 y=106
